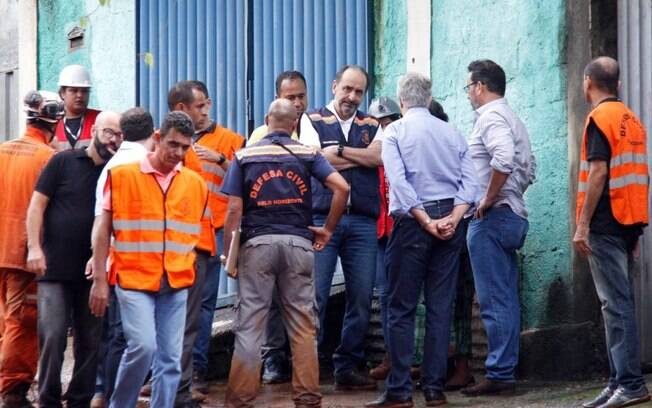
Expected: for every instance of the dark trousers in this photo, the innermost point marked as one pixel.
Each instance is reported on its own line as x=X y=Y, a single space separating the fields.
x=416 y=259
x=116 y=345
x=193 y=307
x=59 y=304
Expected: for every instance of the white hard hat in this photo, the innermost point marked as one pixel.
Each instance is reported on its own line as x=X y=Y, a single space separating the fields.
x=383 y=107
x=76 y=76
x=43 y=105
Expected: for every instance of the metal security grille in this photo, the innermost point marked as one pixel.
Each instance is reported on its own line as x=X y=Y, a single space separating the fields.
x=634 y=55
x=315 y=37
x=193 y=39
x=237 y=47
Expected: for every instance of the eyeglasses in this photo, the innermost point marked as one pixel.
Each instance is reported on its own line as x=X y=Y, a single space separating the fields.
x=468 y=86
x=110 y=133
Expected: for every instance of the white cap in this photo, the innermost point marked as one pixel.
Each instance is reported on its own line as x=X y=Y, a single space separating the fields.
x=75 y=76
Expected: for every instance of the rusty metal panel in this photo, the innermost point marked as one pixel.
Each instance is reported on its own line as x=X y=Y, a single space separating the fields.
x=634 y=55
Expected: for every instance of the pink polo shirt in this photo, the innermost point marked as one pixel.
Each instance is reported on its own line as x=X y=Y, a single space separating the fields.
x=146 y=167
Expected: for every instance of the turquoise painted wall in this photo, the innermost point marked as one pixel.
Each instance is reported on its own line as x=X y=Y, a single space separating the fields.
x=390 y=39
x=112 y=63
x=527 y=39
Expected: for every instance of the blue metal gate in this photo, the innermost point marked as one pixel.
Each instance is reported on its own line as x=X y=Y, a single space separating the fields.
x=237 y=47
x=193 y=39
x=315 y=37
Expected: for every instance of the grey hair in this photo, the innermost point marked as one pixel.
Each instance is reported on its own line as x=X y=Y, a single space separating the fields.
x=414 y=90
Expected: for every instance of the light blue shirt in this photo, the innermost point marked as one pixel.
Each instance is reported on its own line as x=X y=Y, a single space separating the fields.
x=426 y=159
x=499 y=141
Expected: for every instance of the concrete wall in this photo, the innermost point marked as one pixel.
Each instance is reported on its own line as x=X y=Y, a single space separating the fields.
x=9 y=98
x=109 y=49
x=527 y=39
x=390 y=39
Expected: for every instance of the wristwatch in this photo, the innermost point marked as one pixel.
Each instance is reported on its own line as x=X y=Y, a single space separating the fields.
x=340 y=150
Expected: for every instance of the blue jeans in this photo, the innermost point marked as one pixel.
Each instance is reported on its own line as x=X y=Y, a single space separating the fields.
x=208 y=303
x=153 y=326
x=381 y=284
x=354 y=240
x=417 y=260
x=116 y=345
x=610 y=265
x=493 y=241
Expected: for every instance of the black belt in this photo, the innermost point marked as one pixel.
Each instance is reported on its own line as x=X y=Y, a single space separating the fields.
x=439 y=203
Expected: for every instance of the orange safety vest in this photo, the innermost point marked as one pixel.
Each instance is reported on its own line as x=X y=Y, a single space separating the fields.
x=84 y=133
x=224 y=141
x=21 y=162
x=628 y=168
x=155 y=232
x=207 y=233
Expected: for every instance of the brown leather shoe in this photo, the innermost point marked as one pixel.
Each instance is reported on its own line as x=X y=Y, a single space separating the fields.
x=381 y=371
x=490 y=387
x=384 y=401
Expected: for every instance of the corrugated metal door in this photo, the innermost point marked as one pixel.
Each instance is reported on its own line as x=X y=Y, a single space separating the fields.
x=315 y=37
x=634 y=55
x=237 y=47
x=193 y=39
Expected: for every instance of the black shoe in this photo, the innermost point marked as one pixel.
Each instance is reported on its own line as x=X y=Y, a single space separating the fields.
x=434 y=398
x=490 y=387
x=17 y=397
x=353 y=381
x=199 y=383
x=275 y=370
x=385 y=401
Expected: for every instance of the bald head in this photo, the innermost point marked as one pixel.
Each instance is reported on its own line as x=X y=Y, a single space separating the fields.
x=281 y=116
x=108 y=119
x=604 y=74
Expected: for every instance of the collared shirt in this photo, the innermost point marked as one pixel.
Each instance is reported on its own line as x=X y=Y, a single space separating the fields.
x=426 y=159
x=163 y=179
x=499 y=141
x=209 y=129
x=310 y=137
x=261 y=131
x=128 y=152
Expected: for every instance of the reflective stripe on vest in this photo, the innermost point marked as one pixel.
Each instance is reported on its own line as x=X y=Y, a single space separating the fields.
x=156 y=225
x=215 y=189
x=213 y=169
x=156 y=247
x=628 y=166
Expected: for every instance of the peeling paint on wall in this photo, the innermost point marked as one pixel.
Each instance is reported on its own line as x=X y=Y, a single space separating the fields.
x=109 y=49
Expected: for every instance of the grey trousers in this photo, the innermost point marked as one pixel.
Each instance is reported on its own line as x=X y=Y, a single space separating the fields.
x=61 y=304
x=276 y=340
x=265 y=262
x=193 y=307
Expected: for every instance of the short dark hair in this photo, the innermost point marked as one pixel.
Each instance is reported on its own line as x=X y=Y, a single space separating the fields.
x=437 y=110
x=181 y=92
x=490 y=74
x=604 y=73
x=136 y=124
x=179 y=121
x=343 y=69
x=290 y=76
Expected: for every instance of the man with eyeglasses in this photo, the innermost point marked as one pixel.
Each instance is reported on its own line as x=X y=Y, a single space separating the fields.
x=500 y=149
x=137 y=127
x=59 y=222
x=74 y=131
